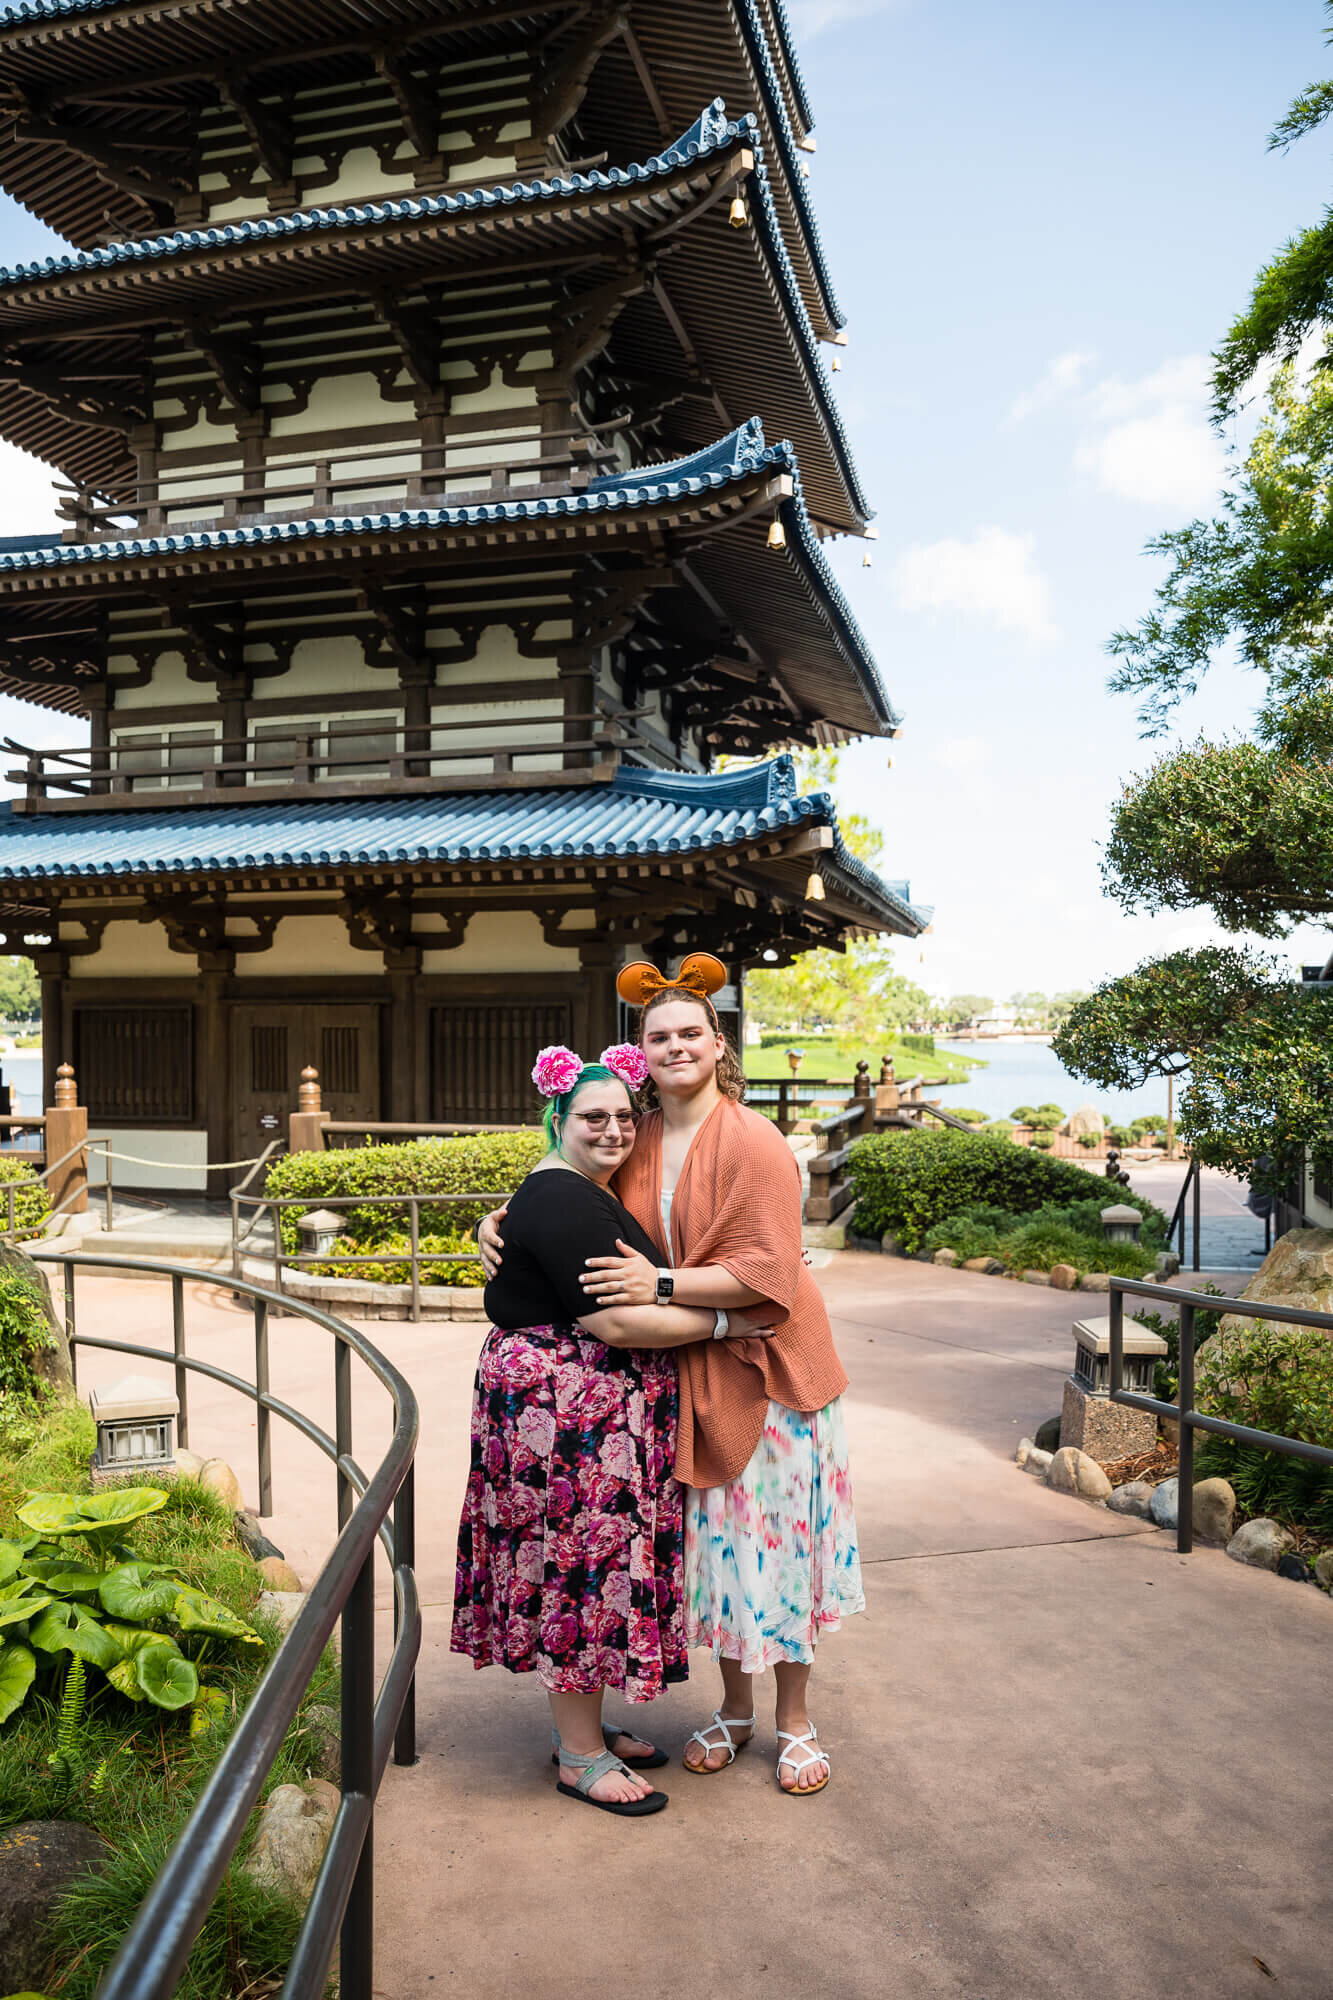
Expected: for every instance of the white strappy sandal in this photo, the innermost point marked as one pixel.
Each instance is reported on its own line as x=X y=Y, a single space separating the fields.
x=810 y=1753
x=726 y=1724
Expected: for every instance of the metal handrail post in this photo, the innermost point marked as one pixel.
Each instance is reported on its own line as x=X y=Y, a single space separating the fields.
x=342 y=1426
x=1198 y=1189
x=1185 y=1448
x=71 y=1328
x=405 y=1557
x=414 y=1226
x=106 y=1162
x=263 y=1415
x=357 y=1936
x=178 y=1349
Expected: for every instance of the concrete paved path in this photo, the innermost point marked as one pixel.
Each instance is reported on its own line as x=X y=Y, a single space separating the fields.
x=1066 y=1761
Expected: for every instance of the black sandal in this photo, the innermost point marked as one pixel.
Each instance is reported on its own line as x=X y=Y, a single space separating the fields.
x=600 y=1767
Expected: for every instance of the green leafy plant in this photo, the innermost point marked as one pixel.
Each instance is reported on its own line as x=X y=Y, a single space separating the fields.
x=1089 y=1140
x=1277 y=1379
x=1042 y=1140
x=32 y=1204
x=907 y=1182
x=966 y=1111
x=133 y=1620
x=24 y=1334
x=1024 y=1114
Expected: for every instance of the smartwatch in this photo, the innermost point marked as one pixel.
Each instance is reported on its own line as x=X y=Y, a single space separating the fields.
x=666 y=1285
x=721 y=1324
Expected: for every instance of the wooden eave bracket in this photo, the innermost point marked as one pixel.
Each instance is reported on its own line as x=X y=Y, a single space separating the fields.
x=235 y=365
x=595 y=314
x=54 y=387
x=417 y=340
x=402 y=621
x=125 y=171
x=415 y=98
x=268 y=131
x=562 y=89
x=198 y=928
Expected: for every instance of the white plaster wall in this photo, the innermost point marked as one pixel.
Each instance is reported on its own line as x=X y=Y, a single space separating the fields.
x=497 y=394
x=496 y=658
x=178 y=1158
x=337 y=402
x=308 y=946
x=1318 y=1211
x=131 y=950
x=171 y=684
x=503 y=941
x=326 y=667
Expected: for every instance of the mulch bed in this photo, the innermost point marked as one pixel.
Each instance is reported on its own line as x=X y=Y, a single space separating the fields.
x=1156 y=1465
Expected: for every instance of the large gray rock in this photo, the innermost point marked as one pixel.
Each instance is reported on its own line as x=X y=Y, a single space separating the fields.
x=1048 y=1435
x=1086 y=1119
x=38 y=1861
x=1214 y=1510
x=1261 y=1544
x=1323 y=1569
x=1134 y=1497
x=218 y=1477
x=1073 y=1471
x=1037 y=1463
x=1036 y=1277
x=321 y=1741
x=1164 y=1507
x=1064 y=1277
x=294 y=1829
x=252 y=1538
x=1298 y=1271
x=991 y=1267
x=280 y=1607
x=1095 y=1281
x=945 y=1256
x=49 y=1364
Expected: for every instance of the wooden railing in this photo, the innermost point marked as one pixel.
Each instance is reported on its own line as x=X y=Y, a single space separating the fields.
x=379 y=477
x=308 y=761
x=830 y=1189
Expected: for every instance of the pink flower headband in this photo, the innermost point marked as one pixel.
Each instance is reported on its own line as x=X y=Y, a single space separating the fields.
x=558 y=1069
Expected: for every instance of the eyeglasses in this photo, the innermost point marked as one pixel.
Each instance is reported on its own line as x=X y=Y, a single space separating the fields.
x=596 y=1120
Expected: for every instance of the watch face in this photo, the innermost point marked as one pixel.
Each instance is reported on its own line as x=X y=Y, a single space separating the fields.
x=665 y=1286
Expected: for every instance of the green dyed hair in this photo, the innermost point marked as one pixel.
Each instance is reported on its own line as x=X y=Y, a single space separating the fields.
x=556 y=1107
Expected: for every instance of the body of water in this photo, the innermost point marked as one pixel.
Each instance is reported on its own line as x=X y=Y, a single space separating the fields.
x=24 y=1072
x=1017 y=1073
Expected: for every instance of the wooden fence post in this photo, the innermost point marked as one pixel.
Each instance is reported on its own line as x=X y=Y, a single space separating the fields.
x=67 y=1126
x=305 y=1126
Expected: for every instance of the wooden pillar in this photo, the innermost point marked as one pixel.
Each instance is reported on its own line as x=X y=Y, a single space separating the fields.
x=578 y=689
x=402 y=1038
x=213 y=1078
x=99 y=699
x=252 y=432
x=416 y=681
x=67 y=1126
x=597 y=959
x=234 y=692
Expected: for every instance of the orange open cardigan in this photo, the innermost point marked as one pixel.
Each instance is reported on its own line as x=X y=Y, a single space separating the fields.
x=737 y=1203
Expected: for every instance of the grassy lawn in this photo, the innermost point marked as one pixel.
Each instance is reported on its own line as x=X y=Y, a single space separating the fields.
x=825 y=1056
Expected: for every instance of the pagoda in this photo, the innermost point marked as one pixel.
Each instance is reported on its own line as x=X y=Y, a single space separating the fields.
x=445 y=454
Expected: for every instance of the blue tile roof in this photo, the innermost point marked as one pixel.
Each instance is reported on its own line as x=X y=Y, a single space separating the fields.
x=712 y=132
x=737 y=456
x=752 y=31
x=792 y=61
x=639 y=813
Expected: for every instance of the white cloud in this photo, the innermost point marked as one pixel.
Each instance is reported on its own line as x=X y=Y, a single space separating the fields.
x=1150 y=441
x=962 y=753
x=992 y=579
x=27 y=500
x=1060 y=378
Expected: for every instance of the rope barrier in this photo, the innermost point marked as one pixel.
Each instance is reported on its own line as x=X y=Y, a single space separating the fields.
x=179 y=1166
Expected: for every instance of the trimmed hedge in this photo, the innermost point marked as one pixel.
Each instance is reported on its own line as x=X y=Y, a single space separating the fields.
x=32 y=1207
x=909 y=1182
x=485 y=1164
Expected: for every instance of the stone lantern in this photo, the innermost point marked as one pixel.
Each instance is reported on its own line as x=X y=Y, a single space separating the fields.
x=319 y=1232
x=136 y=1430
x=1088 y=1418
x=1121 y=1223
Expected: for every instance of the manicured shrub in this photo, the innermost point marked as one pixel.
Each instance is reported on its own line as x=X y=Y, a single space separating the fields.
x=1043 y=1139
x=1024 y=1114
x=1089 y=1140
x=966 y=1111
x=968 y=1238
x=1045 y=1121
x=488 y=1165
x=1048 y=1109
x=31 y=1204
x=999 y=1128
x=1041 y=1243
x=1120 y=1135
x=907 y=1182
x=1278 y=1379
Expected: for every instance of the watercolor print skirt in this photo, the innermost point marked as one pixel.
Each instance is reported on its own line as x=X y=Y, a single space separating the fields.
x=771 y=1561
x=570 y=1545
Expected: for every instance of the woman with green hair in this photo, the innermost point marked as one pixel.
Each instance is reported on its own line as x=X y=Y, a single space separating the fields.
x=570 y=1546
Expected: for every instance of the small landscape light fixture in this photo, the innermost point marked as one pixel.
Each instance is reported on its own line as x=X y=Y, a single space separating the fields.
x=777 y=536
x=1092 y=1357
x=1121 y=1223
x=770 y=957
x=319 y=1232
x=795 y=1057
x=738 y=214
x=136 y=1421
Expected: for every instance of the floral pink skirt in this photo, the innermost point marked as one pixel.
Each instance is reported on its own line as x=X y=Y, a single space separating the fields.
x=570 y=1549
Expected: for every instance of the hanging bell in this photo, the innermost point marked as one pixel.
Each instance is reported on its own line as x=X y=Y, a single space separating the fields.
x=866 y=562
x=814 y=888
x=777 y=536
x=836 y=365
x=738 y=214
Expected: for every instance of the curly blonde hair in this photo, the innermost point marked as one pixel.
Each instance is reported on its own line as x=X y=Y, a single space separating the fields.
x=730 y=1075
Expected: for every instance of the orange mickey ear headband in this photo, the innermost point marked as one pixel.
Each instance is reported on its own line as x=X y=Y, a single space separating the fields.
x=700 y=973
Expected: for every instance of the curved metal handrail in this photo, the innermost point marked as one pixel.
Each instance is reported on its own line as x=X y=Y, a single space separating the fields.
x=153 y=1954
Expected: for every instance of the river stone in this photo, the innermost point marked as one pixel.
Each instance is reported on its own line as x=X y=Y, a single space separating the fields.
x=1167 y=1264
x=1025 y=1449
x=280 y=1607
x=38 y=1861
x=1164 y=1507
x=1048 y=1435
x=946 y=1256
x=889 y=1244
x=1294 y=1568
x=218 y=1477
x=1323 y=1569
x=1095 y=1281
x=1073 y=1471
x=279 y=1575
x=294 y=1829
x=189 y=1465
x=1260 y=1543
x=1214 y=1510
x=992 y=1266
x=1037 y=1462
x=1036 y=1277
x=1064 y=1277
x=254 y=1541
x=1134 y=1497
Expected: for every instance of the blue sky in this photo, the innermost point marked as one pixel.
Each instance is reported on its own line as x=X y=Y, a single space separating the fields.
x=1040 y=219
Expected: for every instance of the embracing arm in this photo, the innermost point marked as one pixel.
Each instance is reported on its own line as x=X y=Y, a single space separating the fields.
x=663 y=1326
x=631 y=1280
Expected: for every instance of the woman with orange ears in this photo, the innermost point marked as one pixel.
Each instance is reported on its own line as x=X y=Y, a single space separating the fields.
x=771 y=1561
